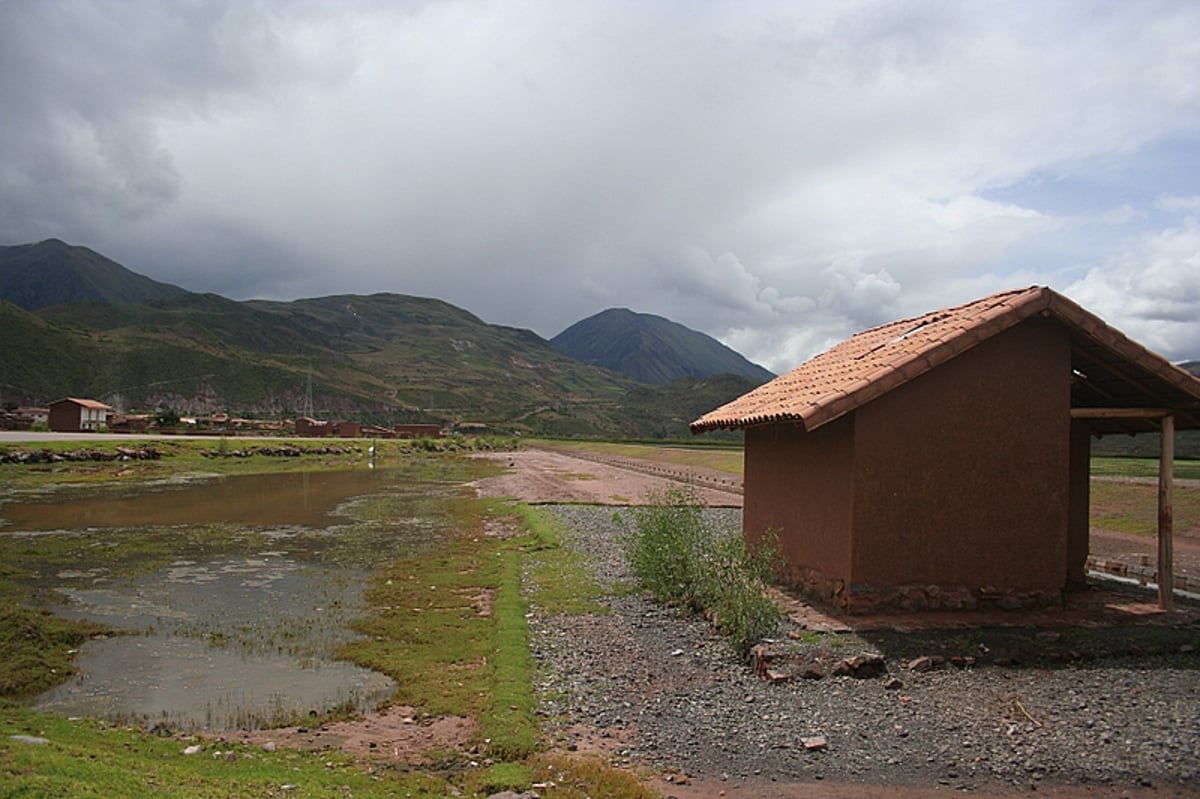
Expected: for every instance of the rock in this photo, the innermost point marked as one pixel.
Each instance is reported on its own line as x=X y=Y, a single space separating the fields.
x=862 y=665
x=194 y=749
x=28 y=739
x=892 y=684
x=269 y=746
x=814 y=743
x=925 y=663
x=775 y=676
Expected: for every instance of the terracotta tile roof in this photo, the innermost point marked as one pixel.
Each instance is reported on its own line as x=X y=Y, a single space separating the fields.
x=1110 y=369
x=88 y=403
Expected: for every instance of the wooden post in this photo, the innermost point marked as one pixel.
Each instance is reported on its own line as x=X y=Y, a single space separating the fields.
x=1166 y=516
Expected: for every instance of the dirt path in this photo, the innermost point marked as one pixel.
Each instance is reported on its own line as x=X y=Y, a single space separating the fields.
x=538 y=475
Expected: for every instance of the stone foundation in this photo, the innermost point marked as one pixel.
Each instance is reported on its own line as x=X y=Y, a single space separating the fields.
x=861 y=598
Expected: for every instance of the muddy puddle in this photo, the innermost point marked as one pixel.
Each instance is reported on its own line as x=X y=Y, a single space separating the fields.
x=232 y=594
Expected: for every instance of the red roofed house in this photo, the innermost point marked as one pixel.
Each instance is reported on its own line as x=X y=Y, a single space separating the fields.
x=943 y=461
x=73 y=415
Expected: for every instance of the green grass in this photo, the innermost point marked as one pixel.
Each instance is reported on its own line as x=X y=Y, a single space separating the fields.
x=1133 y=507
x=83 y=758
x=720 y=458
x=559 y=583
x=38 y=649
x=183 y=456
x=508 y=723
x=1143 y=467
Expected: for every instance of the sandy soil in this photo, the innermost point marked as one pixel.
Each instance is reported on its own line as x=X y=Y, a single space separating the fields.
x=396 y=735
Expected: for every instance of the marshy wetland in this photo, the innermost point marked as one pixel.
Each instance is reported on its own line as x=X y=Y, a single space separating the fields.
x=227 y=596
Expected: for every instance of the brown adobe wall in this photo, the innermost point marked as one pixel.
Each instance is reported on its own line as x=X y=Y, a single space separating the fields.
x=64 y=417
x=961 y=476
x=798 y=485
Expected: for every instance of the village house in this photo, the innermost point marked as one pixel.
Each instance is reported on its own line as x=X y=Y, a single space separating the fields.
x=33 y=415
x=74 y=415
x=943 y=461
x=307 y=427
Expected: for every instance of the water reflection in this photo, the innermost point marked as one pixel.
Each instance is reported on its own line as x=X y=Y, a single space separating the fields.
x=179 y=681
x=229 y=632
x=258 y=499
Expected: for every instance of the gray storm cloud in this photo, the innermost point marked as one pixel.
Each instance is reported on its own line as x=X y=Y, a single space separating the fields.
x=779 y=175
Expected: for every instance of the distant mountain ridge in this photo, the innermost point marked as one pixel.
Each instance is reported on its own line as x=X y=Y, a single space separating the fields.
x=52 y=272
x=137 y=345
x=651 y=349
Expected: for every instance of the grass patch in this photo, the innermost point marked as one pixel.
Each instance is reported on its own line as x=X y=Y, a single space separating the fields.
x=500 y=777
x=558 y=580
x=724 y=459
x=455 y=638
x=82 y=758
x=426 y=628
x=180 y=455
x=1143 y=467
x=1130 y=507
x=586 y=777
x=38 y=649
x=508 y=723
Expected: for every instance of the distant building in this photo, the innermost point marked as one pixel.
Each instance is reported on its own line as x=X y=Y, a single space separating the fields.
x=418 y=431
x=307 y=427
x=74 y=415
x=33 y=415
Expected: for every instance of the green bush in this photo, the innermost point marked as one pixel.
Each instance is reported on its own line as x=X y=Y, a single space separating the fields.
x=682 y=560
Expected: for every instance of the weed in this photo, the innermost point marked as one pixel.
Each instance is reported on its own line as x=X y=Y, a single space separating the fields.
x=575 y=777
x=681 y=560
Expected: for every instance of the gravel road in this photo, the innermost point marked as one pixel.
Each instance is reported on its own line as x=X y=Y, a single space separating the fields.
x=655 y=690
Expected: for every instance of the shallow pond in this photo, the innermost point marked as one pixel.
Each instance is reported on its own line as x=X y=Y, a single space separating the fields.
x=236 y=591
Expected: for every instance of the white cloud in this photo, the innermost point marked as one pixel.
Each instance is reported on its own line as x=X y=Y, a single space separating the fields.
x=1151 y=289
x=777 y=174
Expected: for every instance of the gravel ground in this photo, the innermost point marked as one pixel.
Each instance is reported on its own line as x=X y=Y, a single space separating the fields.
x=654 y=689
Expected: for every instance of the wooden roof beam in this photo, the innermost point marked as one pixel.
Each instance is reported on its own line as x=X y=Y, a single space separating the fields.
x=1120 y=413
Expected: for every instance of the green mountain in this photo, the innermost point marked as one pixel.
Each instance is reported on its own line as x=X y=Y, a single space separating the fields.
x=384 y=358
x=651 y=349
x=52 y=272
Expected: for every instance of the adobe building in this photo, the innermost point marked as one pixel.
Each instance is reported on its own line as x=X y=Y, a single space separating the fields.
x=943 y=461
x=74 y=415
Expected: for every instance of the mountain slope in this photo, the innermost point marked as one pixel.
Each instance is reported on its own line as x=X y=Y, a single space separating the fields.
x=651 y=349
x=52 y=272
x=383 y=358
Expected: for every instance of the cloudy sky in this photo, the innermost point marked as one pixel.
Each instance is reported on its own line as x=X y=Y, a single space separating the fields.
x=777 y=174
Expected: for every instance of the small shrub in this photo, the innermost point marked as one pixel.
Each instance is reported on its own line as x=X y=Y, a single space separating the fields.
x=682 y=560
x=664 y=549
